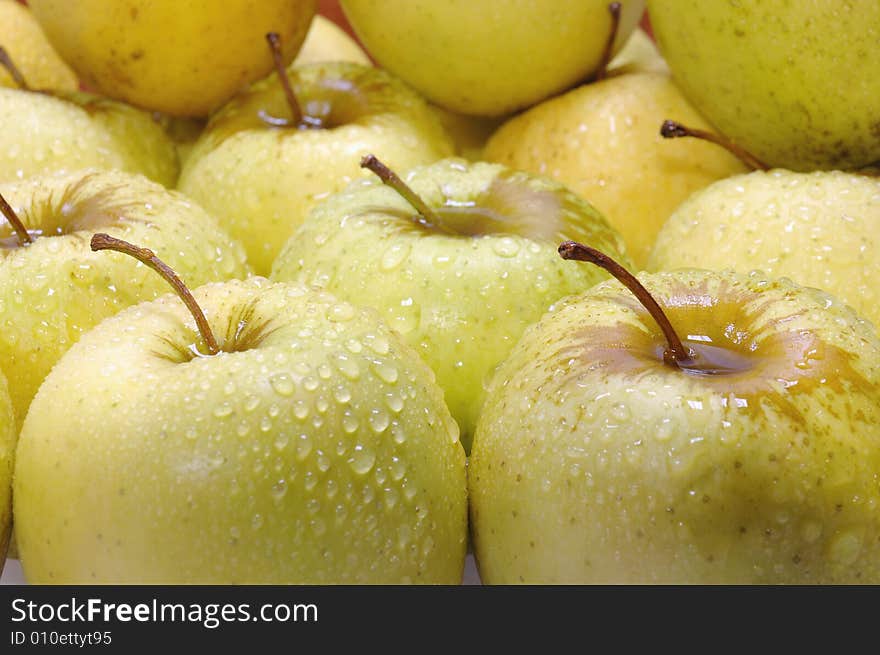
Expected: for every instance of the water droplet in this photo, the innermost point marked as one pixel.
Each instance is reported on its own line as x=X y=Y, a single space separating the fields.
x=397 y=469
x=845 y=548
x=322 y=462
x=342 y=394
x=251 y=403
x=394 y=401
x=341 y=312
x=223 y=410
x=362 y=460
x=349 y=422
x=301 y=409
x=281 y=441
x=282 y=384
x=310 y=383
x=379 y=420
x=347 y=366
x=279 y=489
x=385 y=371
x=506 y=246
x=257 y=521
x=303 y=446
x=394 y=256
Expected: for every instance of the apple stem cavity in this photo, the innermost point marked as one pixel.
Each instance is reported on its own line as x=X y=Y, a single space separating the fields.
x=602 y=70
x=676 y=354
x=392 y=179
x=9 y=65
x=673 y=130
x=296 y=114
x=101 y=241
x=24 y=237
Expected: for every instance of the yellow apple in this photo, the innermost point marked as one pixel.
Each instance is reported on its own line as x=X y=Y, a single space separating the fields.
x=182 y=59
x=27 y=46
x=489 y=57
x=602 y=140
x=326 y=41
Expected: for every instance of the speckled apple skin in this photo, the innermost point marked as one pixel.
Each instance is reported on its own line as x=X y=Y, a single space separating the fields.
x=315 y=449
x=821 y=229
x=261 y=180
x=56 y=288
x=48 y=134
x=794 y=83
x=602 y=140
x=461 y=301
x=593 y=462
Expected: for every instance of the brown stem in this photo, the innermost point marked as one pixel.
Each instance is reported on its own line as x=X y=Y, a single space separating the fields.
x=275 y=46
x=8 y=212
x=672 y=130
x=392 y=179
x=676 y=354
x=102 y=241
x=602 y=70
x=9 y=65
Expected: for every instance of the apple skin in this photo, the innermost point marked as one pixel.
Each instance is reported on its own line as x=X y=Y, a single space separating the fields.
x=32 y=53
x=813 y=110
x=260 y=180
x=602 y=140
x=320 y=452
x=821 y=229
x=594 y=462
x=46 y=134
x=162 y=56
x=461 y=300
x=56 y=288
x=488 y=57
x=8 y=436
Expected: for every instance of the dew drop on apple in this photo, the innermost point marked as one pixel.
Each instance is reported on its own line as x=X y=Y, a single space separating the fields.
x=845 y=547
x=301 y=410
x=223 y=410
x=319 y=527
x=347 y=366
x=664 y=430
x=385 y=371
x=379 y=420
x=407 y=317
x=303 y=446
x=350 y=422
x=281 y=441
x=342 y=394
x=397 y=469
x=265 y=424
x=506 y=247
x=243 y=429
x=257 y=521
x=322 y=462
x=398 y=433
x=362 y=459
x=394 y=401
x=251 y=402
x=340 y=313
x=282 y=384
x=394 y=256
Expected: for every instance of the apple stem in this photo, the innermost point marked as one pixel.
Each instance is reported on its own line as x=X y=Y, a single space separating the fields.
x=676 y=354
x=101 y=241
x=392 y=179
x=275 y=46
x=9 y=65
x=672 y=130
x=602 y=70
x=8 y=212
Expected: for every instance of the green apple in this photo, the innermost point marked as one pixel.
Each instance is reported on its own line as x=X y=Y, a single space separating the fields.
x=821 y=229
x=794 y=83
x=753 y=462
x=26 y=44
x=312 y=448
x=489 y=57
x=326 y=41
x=54 y=288
x=183 y=60
x=259 y=171
x=602 y=141
x=460 y=279
x=7 y=458
x=45 y=133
